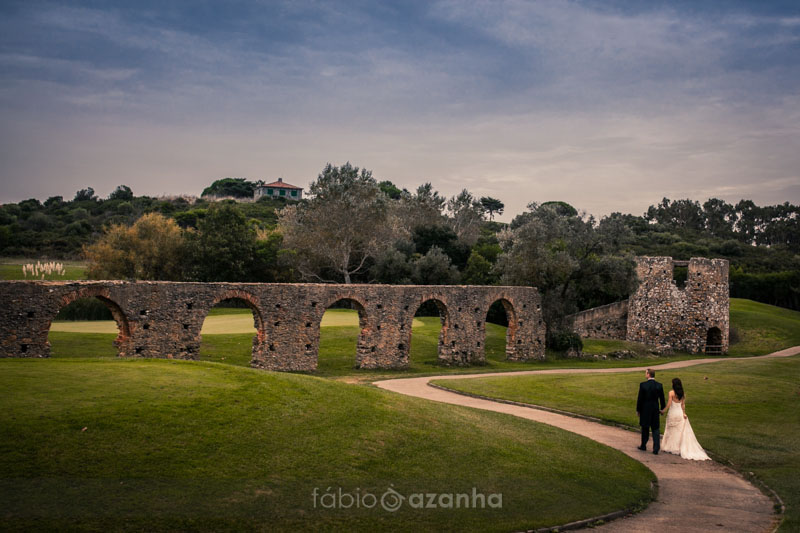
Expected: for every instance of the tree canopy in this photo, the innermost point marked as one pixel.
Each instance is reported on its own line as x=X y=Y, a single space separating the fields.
x=343 y=226
x=235 y=187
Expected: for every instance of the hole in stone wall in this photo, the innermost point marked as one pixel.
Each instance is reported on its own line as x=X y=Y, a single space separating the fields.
x=714 y=341
x=30 y=314
x=501 y=327
x=679 y=276
x=229 y=332
x=88 y=327
x=341 y=332
x=428 y=331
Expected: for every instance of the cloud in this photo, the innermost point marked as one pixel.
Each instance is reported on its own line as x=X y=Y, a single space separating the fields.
x=607 y=108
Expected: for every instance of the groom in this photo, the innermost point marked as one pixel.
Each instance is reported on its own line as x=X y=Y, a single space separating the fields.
x=651 y=395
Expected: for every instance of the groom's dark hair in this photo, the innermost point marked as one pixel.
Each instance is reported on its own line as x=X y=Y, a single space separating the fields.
x=651 y=372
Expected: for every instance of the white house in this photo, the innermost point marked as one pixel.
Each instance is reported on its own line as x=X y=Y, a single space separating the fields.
x=277 y=189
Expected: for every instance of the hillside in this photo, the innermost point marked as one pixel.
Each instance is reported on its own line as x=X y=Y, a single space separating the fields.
x=165 y=445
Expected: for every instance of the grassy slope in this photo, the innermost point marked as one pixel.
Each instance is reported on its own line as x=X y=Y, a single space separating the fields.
x=746 y=412
x=203 y=446
x=763 y=328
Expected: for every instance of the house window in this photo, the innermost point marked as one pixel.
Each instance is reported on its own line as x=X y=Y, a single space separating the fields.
x=269 y=192
x=283 y=192
x=294 y=193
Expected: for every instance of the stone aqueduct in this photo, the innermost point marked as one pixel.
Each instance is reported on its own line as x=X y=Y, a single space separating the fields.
x=163 y=319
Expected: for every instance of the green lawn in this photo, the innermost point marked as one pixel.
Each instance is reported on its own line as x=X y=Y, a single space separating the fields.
x=763 y=328
x=11 y=269
x=745 y=412
x=147 y=445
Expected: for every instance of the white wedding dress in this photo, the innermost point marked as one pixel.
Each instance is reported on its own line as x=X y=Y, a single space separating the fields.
x=678 y=436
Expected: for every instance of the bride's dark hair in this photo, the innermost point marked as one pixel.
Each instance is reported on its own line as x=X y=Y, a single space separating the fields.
x=677 y=386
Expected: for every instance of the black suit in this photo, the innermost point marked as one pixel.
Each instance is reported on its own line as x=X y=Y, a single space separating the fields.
x=651 y=395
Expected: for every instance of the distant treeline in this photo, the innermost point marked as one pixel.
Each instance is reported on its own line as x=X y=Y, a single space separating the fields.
x=353 y=228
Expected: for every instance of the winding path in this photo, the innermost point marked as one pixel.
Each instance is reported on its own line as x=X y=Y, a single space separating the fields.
x=693 y=496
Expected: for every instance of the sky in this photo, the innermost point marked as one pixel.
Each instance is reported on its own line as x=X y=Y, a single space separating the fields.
x=607 y=105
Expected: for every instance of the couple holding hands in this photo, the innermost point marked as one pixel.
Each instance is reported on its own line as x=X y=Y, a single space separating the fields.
x=678 y=434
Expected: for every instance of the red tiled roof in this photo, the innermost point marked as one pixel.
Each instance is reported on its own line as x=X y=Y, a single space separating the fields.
x=282 y=185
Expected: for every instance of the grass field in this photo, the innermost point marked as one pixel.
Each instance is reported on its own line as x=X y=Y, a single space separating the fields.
x=763 y=328
x=11 y=269
x=745 y=412
x=147 y=445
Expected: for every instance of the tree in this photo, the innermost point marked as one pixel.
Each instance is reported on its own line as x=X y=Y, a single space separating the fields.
x=466 y=216
x=682 y=214
x=236 y=187
x=574 y=263
x=478 y=270
x=423 y=208
x=434 y=268
x=54 y=201
x=343 y=226
x=224 y=247
x=391 y=190
x=122 y=192
x=85 y=195
x=492 y=206
x=151 y=249
x=719 y=216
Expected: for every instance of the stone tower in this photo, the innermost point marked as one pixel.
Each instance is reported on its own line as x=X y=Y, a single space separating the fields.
x=694 y=318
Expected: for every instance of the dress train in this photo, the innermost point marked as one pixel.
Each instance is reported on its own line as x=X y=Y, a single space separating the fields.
x=679 y=437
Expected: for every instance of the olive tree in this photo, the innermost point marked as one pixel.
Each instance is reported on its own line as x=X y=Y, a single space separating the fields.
x=346 y=222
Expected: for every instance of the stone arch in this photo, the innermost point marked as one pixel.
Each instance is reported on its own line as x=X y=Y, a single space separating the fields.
x=513 y=325
x=123 y=339
x=444 y=346
x=359 y=306
x=714 y=341
x=253 y=302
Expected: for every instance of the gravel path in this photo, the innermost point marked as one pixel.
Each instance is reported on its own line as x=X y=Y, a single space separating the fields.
x=693 y=496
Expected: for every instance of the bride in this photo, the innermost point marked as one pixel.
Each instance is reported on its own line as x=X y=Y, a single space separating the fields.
x=678 y=435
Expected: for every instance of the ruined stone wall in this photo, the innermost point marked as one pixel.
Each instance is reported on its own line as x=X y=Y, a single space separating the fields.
x=604 y=322
x=660 y=313
x=163 y=319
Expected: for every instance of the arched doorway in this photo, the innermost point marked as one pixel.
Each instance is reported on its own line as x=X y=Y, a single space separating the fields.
x=342 y=335
x=714 y=341
x=428 y=332
x=89 y=324
x=500 y=331
x=232 y=330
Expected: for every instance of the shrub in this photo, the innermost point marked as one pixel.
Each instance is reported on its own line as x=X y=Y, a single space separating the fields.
x=563 y=340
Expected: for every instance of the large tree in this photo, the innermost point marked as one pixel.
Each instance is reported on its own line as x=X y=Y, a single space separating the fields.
x=344 y=225
x=492 y=206
x=224 y=247
x=466 y=216
x=574 y=262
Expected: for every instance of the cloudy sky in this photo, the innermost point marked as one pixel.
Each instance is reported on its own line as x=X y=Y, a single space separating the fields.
x=609 y=106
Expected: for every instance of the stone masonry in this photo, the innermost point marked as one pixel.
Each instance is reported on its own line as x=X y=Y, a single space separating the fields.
x=163 y=319
x=604 y=322
x=693 y=319
x=689 y=318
